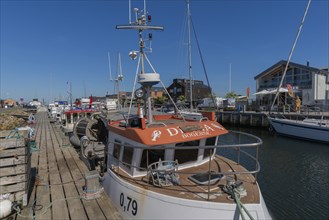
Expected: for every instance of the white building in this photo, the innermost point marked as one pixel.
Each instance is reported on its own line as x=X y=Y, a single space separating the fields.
x=309 y=83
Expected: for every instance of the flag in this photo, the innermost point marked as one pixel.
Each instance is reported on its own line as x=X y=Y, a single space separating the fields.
x=78 y=102
x=248 y=92
x=290 y=91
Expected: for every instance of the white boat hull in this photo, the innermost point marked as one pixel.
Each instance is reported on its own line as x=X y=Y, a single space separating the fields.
x=133 y=202
x=300 y=129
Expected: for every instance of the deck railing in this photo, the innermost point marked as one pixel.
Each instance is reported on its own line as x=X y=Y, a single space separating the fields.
x=243 y=140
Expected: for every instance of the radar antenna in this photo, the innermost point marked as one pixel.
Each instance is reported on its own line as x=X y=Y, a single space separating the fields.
x=147 y=80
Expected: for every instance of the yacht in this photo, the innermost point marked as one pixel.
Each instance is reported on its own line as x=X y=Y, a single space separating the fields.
x=308 y=129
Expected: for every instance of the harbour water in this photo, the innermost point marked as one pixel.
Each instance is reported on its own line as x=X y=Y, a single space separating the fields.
x=294 y=176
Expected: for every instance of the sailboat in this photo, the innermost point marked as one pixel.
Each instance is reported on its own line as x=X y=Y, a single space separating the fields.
x=191 y=114
x=113 y=104
x=309 y=129
x=166 y=167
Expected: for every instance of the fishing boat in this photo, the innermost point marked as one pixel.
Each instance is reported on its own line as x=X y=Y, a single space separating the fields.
x=70 y=117
x=167 y=167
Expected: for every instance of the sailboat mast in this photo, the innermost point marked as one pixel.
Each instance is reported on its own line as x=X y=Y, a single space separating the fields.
x=119 y=77
x=189 y=53
x=110 y=69
x=290 y=54
x=230 y=82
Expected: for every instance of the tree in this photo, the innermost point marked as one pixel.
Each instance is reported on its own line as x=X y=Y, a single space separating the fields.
x=160 y=100
x=231 y=95
x=181 y=98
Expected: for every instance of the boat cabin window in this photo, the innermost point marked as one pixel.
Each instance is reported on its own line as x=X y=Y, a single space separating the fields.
x=75 y=116
x=185 y=156
x=127 y=156
x=116 y=149
x=68 y=119
x=153 y=156
x=209 y=151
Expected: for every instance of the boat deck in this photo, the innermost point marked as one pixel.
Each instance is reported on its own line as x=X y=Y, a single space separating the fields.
x=58 y=180
x=187 y=189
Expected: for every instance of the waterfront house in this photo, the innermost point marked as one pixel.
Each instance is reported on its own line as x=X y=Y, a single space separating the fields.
x=181 y=87
x=311 y=84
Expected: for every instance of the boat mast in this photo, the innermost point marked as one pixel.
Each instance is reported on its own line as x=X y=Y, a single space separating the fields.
x=189 y=53
x=70 y=93
x=229 y=81
x=147 y=80
x=110 y=69
x=290 y=54
x=119 y=78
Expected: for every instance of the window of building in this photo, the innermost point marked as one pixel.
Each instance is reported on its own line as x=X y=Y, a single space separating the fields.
x=289 y=72
x=289 y=79
x=185 y=156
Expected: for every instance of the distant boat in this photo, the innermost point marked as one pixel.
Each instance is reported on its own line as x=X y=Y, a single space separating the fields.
x=70 y=117
x=310 y=129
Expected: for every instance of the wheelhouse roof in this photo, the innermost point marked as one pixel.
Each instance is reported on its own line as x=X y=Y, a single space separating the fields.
x=175 y=131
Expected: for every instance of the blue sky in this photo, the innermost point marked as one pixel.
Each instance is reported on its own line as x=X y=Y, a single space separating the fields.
x=45 y=44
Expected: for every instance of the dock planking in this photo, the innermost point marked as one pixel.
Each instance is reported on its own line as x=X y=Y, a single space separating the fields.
x=57 y=189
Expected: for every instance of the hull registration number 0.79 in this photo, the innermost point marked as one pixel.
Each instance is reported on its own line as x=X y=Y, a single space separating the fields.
x=128 y=204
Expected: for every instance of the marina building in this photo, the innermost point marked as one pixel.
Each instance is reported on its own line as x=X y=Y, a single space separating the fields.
x=181 y=87
x=310 y=84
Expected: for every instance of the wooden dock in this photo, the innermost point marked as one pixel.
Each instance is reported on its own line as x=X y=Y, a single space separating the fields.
x=259 y=119
x=253 y=119
x=58 y=178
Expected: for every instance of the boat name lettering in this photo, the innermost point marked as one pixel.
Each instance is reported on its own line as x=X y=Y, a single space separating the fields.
x=195 y=134
x=128 y=204
x=207 y=129
x=217 y=126
x=174 y=131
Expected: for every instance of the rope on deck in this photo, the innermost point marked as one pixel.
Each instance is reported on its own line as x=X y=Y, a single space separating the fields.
x=235 y=194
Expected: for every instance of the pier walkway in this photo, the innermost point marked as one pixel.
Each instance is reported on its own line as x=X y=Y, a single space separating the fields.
x=58 y=180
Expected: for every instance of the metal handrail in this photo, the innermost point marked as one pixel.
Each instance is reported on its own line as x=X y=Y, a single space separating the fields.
x=204 y=119
x=237 y=147
x=156 y=123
